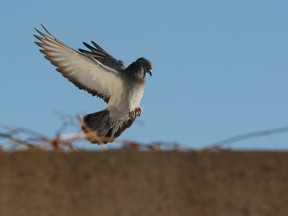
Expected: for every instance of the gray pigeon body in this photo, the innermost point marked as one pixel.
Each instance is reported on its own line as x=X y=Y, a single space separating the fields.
x=100 y=74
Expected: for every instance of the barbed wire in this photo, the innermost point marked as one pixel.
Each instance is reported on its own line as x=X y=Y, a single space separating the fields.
x=15 y=139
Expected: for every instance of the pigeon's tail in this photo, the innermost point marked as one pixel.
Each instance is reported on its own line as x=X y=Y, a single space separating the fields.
x=99 y=128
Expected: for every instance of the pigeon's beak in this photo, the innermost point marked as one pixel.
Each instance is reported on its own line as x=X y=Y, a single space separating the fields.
x=150 y=72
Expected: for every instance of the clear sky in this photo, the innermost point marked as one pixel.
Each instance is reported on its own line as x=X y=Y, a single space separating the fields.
x=219 y=67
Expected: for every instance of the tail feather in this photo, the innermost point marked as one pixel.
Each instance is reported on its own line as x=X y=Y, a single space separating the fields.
x=99 y=128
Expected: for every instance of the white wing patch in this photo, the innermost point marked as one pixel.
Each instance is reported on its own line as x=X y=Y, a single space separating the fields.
x=85 y=72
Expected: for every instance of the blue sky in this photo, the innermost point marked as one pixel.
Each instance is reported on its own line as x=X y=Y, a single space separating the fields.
x=219 y=67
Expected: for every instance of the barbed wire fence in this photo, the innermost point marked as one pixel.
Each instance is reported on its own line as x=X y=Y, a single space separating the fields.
x=19 y=139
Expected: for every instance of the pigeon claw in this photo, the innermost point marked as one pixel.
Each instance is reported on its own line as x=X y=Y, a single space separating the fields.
x=135 y=113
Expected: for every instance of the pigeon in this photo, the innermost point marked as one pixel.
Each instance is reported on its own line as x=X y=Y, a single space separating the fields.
x=97 y=72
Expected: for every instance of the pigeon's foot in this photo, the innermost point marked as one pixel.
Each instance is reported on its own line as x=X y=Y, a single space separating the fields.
x=135 y=113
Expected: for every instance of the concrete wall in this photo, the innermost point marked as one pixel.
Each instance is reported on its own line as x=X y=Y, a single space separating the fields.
x=122 y=183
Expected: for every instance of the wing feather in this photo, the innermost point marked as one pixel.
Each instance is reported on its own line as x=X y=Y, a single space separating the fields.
x=83 y=71
x=102 y=56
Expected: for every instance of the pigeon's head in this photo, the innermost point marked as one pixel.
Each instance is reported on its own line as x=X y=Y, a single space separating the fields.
x=145 y=64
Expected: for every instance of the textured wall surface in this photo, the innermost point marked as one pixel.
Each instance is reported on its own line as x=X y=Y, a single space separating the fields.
x=122 y=183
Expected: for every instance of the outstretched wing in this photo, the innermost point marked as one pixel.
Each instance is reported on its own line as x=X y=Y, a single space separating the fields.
x=101 y=55
x=85 y=72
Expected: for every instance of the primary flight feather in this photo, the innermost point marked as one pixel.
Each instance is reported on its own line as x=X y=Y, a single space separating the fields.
x=100 y=74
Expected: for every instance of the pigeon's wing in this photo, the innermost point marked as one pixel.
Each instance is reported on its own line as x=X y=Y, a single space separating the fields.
x=85 y=72
x=98 y=53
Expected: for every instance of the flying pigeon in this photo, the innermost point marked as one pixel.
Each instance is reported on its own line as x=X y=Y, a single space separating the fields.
x=100 y=74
